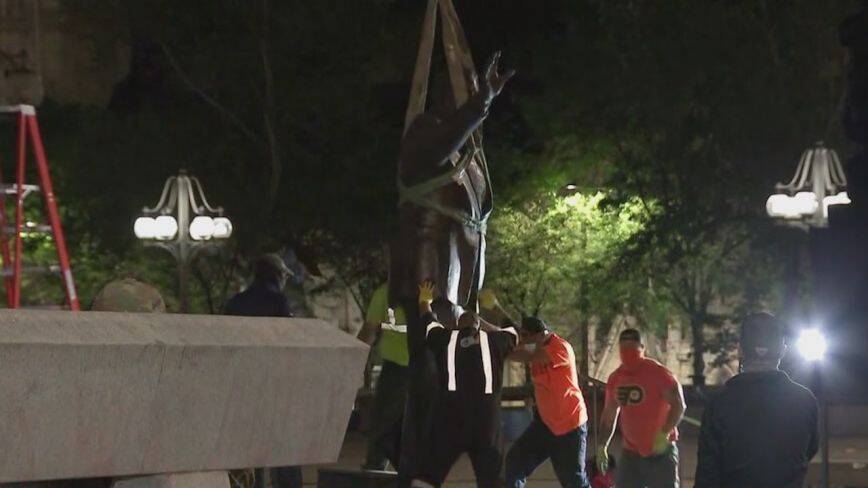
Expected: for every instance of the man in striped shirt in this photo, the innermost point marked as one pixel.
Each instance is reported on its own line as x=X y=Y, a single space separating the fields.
x=466 y=413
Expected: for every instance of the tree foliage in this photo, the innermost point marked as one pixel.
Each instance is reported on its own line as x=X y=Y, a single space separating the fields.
x=290 y=112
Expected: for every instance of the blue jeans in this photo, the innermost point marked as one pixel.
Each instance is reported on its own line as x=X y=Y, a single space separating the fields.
x=660 y=471
x=537 y=444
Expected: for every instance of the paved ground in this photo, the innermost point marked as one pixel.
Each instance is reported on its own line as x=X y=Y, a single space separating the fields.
x=849 y=464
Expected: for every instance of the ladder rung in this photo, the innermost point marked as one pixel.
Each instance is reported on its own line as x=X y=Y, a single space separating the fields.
x=20 y=108
x=38 y=229
x=54 y=268
x=13 y=188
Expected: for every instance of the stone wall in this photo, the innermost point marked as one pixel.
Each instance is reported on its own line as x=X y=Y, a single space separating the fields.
x=71 y=62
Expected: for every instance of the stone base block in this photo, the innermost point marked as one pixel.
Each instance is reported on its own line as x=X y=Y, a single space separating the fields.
x=347 y=478
x=209 y=479
x=108 y=395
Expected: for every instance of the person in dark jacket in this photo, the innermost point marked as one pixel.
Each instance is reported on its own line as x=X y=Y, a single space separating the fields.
x=264 y=298
x=760 y=431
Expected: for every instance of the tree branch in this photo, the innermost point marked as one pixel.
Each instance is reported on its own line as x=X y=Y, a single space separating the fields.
x=247 y=131
x=268 y=108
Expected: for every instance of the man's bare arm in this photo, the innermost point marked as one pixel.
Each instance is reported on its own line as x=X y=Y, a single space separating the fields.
x=489 y=327
x=675 y=398
x=368 y=333
x=522 y=355
x=608 y=419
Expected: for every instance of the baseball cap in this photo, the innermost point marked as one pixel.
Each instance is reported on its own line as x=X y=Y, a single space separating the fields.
x=762 y=337
x=270 y=266
x=533 y=325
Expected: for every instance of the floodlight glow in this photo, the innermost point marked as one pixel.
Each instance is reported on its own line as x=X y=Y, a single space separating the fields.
x=145 y=228
x=811 y=344
x=571 y=187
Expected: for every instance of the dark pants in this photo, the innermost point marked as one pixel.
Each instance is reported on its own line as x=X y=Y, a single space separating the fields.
x=288 y=477
x=635 y=471
x=462 y=431
x=537 y=444
x=384 y=438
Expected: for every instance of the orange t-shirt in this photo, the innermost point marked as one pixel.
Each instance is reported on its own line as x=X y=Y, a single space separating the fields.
x=639 y=393
x=556 y=385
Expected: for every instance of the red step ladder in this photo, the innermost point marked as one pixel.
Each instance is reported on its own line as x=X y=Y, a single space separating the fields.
x=13 y=260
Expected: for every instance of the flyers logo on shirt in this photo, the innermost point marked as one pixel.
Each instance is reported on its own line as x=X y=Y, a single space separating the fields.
x=630 y=395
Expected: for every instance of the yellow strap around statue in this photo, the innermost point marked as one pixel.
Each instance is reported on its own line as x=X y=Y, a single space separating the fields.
x=459 y=61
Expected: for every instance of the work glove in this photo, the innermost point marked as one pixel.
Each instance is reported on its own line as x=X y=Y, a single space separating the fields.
x=603 y=459
x=426 y=292
x=487 y=299
x=661 y=443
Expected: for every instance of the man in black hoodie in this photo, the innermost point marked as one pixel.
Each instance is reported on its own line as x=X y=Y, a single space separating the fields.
x=760 y=431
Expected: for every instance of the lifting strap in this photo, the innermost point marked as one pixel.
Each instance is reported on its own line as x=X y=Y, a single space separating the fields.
x=464 y=81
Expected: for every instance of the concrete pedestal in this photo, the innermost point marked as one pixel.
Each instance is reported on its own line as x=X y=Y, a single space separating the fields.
x=349 y=478
x=210 y=479
x=101 y=394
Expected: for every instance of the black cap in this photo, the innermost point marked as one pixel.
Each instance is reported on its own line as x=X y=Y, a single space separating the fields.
x=268 y=267
x=533 y=325
x=762 y=337
x=630 y=335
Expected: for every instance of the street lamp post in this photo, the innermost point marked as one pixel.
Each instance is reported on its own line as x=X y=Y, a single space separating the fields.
x=812 y=346
x=168 y=225
x=819 y=183
x=804 y=203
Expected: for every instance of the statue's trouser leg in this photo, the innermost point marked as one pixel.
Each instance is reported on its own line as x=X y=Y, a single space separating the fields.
x=429 y=258
x=416 y=412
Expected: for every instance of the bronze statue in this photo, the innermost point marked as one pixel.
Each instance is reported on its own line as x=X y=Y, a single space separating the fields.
x=445 y=202
x=446 y=198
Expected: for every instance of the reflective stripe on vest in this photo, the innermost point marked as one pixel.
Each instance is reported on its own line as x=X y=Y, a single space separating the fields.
x=394 y=328
x=484 y=349
x=450 y=360
x=486 y=361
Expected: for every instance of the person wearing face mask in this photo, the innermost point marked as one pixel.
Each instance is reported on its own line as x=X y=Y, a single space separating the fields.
x=647 y=401
x=761 y=429
x=469 y=358
x=559 y=428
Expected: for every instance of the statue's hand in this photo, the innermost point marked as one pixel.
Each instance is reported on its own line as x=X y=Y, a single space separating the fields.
x=494 y=81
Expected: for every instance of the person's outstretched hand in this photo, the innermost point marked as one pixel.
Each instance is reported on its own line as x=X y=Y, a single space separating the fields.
x=494 y=81
x=426 y=292
x=487 y=299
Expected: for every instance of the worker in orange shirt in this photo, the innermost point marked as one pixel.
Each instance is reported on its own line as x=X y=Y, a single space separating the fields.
x=646 y=399
x=559 y=429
